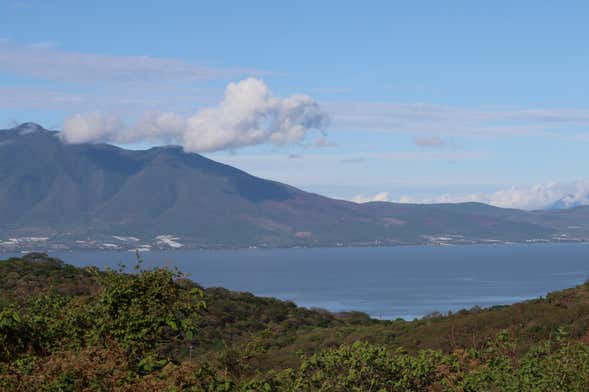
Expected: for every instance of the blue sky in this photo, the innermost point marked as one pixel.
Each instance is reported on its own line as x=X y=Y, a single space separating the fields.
x=426 y=100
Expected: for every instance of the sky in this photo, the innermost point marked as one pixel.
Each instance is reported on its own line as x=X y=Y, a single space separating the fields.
x=421 y=101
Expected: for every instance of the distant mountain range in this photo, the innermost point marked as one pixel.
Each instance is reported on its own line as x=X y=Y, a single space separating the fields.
x=569 y=201
x=57 y=195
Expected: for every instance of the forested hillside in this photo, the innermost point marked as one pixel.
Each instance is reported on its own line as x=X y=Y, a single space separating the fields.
x=68 y=329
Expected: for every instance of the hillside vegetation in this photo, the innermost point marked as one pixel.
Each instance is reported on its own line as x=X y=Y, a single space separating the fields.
x=68 y=329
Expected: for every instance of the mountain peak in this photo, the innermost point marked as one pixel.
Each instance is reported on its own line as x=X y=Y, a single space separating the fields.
x=28 y=128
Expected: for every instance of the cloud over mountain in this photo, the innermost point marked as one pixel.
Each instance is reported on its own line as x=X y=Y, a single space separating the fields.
x=540 y=196
x=249 y=114
x=381 y=196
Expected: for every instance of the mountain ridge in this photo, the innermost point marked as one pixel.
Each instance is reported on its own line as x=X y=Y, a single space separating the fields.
x=79 y=193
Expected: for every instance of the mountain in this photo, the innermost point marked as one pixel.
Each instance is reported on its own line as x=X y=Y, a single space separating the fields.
x=100 y=195
x=569 y=201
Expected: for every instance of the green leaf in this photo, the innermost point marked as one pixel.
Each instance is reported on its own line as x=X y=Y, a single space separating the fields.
x=172 y=324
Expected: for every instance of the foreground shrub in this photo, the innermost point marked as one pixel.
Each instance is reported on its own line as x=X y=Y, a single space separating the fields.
x=148 y=315
x=149 y=331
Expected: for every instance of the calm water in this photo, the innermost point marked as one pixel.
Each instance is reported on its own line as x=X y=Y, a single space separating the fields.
x=388 y=283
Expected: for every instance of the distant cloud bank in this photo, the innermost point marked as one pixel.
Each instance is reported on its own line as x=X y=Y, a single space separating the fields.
x=382 y=196
x=536 y=197
x=247 y=115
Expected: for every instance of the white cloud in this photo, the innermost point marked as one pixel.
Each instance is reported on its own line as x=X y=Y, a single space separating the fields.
x=124 y=85
x=90 y=81
x=42 y=60
x=382 y=196
x=134 y=100
x=443 y=120
x=540 y=196
x=248 y=115
x=91 y=126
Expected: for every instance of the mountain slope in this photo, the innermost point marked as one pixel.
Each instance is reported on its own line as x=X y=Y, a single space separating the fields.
x=94 y=191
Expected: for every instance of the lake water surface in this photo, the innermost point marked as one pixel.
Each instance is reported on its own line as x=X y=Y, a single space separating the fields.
x=386 y=283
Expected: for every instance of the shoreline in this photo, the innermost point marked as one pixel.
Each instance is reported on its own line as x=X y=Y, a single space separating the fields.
x=25 y=250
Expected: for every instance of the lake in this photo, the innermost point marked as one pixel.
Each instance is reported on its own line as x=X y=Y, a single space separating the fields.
x=388 y=283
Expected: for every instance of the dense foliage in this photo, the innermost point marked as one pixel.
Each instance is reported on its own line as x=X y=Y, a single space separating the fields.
x=67 y=329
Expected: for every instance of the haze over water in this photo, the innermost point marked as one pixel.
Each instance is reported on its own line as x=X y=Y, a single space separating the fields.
x=386 y=283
